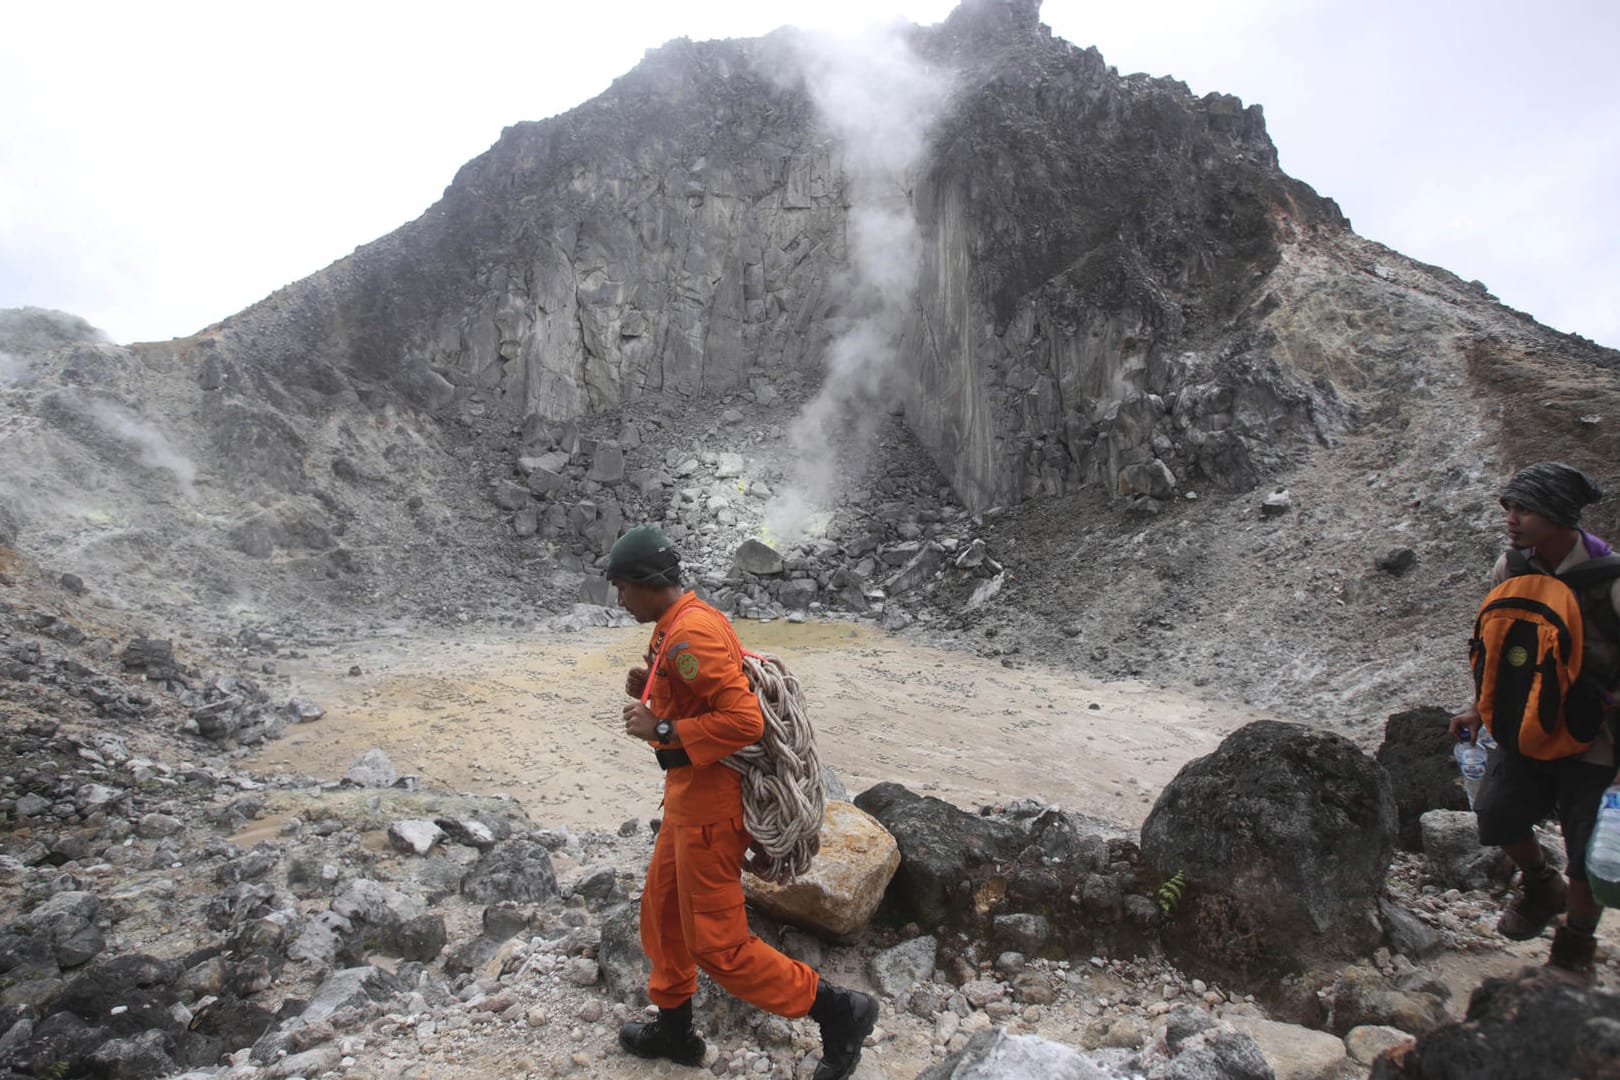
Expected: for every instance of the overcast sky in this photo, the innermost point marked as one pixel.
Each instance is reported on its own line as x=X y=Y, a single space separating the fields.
x=163 y=165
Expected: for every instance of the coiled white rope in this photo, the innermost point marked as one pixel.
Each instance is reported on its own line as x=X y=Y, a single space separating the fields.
x=784 y=793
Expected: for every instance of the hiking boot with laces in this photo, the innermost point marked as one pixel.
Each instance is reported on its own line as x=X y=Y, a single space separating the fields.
x=846 y=1017
x=670 y=1036
x=1572 y=954
x=1542 y=898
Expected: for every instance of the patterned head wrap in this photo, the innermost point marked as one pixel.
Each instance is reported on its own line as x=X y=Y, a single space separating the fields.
x=1554 y=490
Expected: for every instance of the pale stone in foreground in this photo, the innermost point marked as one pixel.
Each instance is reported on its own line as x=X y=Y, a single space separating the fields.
x=846 y=879
x=416 y=836
x=1366 y=1042
x=1293 y=1052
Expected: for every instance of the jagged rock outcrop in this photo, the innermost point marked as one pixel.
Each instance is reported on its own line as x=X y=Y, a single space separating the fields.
x=1071 y=300
x=1092 y=251
x=667 y=237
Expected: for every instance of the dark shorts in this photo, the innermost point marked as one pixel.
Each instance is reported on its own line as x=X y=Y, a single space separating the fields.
x=1518 y=792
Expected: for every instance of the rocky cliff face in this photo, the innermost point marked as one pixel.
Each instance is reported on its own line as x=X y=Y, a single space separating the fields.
x=1073 y=287
x=664 y=239
x=1092 y=248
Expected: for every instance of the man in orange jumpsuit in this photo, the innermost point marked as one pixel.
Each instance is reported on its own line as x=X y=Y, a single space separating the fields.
x=695 y=706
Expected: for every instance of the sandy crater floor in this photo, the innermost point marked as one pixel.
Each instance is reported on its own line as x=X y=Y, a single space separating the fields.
x=535 y=716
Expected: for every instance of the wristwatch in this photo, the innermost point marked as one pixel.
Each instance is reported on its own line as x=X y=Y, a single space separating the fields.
x=665 y=731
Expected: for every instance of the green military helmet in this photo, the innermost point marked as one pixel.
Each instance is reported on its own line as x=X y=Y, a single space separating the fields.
x=644 y=556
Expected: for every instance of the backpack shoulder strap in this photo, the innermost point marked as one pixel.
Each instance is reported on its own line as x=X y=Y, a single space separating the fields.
x=1518 y=563
x=1590 y=581
x=1592 y=572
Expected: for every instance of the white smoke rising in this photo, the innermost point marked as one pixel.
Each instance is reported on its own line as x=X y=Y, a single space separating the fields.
x=11 y=368
x=153 y=447
x=880 y=101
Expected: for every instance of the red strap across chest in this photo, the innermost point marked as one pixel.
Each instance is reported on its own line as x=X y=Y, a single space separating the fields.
x=663 y=647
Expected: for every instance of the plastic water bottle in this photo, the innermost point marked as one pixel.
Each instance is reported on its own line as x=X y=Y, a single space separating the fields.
x=1471 y=763
x=1603 y=850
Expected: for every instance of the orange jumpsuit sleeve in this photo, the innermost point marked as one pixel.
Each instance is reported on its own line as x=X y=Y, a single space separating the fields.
x=705 y=660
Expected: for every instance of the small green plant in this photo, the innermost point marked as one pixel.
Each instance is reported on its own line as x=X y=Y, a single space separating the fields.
x=1169 y=894
x=57 y=1070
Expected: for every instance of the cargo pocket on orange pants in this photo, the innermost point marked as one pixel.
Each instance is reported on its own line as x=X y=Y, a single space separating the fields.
x=719 y=930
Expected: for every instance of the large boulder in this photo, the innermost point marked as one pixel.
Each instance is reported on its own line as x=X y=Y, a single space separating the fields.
x=1417 y=755
x=942 y=851
x=368 y=917
x=372 y=769
x=1453 y=854
x=756 y=557
x=359 y=989
x=1407 y=934
x=143 y=1054
x=917 y=571
x=1533 y=1026
x=1293 y=1052
x=415 y=836
x=321 y=938
x=126 y=995
x=1360 y=996
x=510 y=495
x=1204 y=1047
x=1196 y=1047
x=607 y=465
x=544 y=482
x=375 y=904
x=896 y=968
x=966 y=871
x=68 y=921
x=350 y=988
x=518 y=870
x=845 y=882
x=1284 y=835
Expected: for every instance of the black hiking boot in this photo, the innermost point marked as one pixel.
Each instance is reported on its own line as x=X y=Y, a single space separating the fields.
x=1543 y=896
x=670 y=1036
x=1572 y=955
x=846 y=1017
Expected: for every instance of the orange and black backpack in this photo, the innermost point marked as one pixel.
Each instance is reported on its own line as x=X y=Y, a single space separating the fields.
x=1527 y=655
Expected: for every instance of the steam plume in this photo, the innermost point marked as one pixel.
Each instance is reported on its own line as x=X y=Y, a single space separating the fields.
x=153 y=447
x=880 y=100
